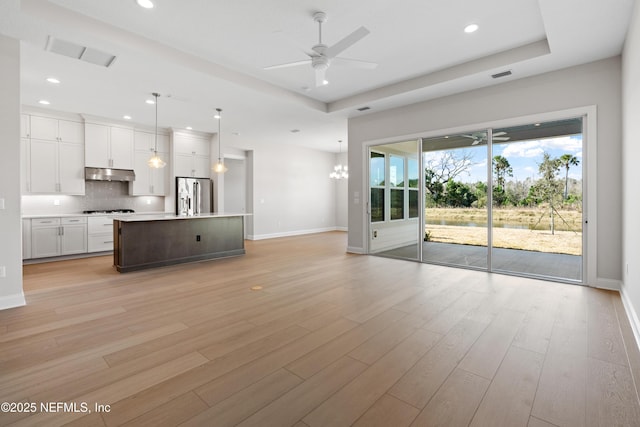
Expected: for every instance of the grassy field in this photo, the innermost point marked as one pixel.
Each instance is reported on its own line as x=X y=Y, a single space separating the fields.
x=540 y=239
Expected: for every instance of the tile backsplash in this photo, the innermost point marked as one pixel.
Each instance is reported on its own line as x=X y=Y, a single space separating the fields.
x=99 y=195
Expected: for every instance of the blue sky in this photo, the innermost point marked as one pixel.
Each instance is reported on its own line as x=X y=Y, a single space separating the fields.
x=524 y=157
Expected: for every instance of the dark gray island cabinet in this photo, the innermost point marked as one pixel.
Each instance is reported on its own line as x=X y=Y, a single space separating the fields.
x=142 y=242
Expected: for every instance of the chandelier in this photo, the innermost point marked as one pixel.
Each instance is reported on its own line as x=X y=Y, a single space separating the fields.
x=340 y=171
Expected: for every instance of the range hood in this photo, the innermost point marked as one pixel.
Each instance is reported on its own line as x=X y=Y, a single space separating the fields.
x=106 y=174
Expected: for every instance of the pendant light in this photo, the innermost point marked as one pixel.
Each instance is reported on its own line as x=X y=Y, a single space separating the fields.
x=340 y=171
x=155 y=161
x=219 y=167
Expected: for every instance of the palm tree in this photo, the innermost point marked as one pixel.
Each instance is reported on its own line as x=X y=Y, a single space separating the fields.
x=567 y=160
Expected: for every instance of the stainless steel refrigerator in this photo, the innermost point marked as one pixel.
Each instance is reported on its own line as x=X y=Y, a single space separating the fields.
x=193 y=196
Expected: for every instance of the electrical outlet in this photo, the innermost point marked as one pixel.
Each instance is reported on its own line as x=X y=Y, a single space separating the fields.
x=56 y=202
x=375 y=234
x=1 y=203
x=3 y=271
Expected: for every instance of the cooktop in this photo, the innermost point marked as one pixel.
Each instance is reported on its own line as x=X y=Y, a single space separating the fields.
x=109 y=211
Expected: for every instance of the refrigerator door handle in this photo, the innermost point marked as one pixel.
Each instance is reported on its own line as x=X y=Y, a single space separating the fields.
x=196 y=196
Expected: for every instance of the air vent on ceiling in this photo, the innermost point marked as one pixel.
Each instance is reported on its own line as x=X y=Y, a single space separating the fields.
x=364 y=108
x=502 y=74
x=83 y=53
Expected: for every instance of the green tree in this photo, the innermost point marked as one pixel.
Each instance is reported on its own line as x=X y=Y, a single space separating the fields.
x=459 y=194
x=548 y=188
x=567 y=160
x=442 y=167
x=501 y=169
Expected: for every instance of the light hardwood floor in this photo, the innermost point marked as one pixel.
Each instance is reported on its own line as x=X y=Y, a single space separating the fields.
x=331 y=339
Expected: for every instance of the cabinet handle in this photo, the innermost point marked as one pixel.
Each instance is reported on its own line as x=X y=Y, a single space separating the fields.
x=108 y=241
x=107 y=225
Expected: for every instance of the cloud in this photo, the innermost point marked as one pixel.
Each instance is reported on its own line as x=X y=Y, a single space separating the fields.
x=535 y=148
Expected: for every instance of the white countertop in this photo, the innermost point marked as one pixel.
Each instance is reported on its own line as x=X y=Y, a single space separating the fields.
x=169 y=217
x=137 y=216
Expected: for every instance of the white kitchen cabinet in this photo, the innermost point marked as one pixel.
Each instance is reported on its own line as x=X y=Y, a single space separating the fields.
x=191 y=155
x=25 y=126
x=26 y=238
x=56 y=130
x=52 y=160
x=55 y=167
x=108 y=146
x=100 y=233
x=25 y=166
x=145 y=141
x=58 y=236
x=150 y=181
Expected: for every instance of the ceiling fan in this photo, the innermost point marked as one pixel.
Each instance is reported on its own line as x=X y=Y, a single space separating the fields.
x=479 y=137
x=322 y=56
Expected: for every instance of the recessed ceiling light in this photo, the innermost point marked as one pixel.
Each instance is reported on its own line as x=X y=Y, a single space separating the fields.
x=537 y=124
x=147 y=4
x=325 y=82
x=471 y=28
x=189 y=128
x=44 y=102
x=126 y=117
x=150 y=101
x=53 y=80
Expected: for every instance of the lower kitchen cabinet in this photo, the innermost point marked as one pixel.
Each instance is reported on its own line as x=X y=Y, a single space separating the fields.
x=58 y=236
x=100 y=232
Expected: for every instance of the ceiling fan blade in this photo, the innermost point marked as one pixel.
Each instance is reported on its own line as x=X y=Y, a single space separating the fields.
x=354 y=63
x=320 y=77
x=468 y=136
x=475 y=142
x=288 y=64
x=499 y=133
x=346 y=42
x=501 y=138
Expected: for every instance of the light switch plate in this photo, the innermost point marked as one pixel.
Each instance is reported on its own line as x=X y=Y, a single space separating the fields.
x=3 y=271
x=1 y=203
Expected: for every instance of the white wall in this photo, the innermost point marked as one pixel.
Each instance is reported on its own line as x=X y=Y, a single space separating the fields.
x=631 y=173
x=10 y=223
x=597 y=83
x=292 y=191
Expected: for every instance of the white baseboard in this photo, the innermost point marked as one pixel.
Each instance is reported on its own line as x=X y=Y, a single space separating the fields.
x=290 y=233
x=609 y=284
x=355 y=250
x=11 y=301
x=632 y=315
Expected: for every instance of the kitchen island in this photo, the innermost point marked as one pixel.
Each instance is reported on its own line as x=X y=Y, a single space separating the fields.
x=150 y=241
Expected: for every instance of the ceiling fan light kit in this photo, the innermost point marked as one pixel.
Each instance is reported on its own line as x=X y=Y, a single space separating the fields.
x=321 y=55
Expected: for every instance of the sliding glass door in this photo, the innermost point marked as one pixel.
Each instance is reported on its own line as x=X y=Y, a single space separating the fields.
x=394 y=203
x=537 y=200
x=455 y=183
x=507 y=200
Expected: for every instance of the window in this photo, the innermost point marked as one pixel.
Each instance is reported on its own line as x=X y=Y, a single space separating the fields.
x=377 y=168
x=396 y=182
x=413 y=179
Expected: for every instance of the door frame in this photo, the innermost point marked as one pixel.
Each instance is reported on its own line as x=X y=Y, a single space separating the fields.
x=589 y=171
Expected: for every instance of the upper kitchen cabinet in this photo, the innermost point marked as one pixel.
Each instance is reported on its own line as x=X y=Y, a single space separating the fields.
x=52 y=129
x=108 y=146
x=52 y=155
x=150 y=181
x=192 y=156
x=25 y=126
